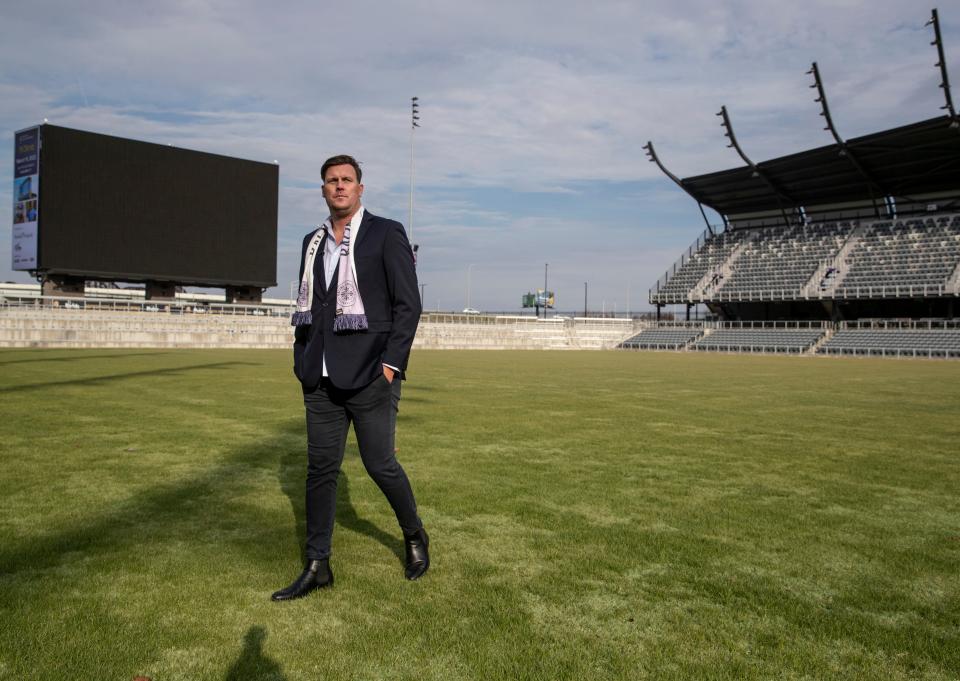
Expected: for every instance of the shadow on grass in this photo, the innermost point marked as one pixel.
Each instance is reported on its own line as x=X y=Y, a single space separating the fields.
x=75 y=358
x=418 y=387
x=416 y=398
x=253 y=663
x=93 y=380
x=158 y=511
x=347 y=516
x=152 y=513
x=293 y=474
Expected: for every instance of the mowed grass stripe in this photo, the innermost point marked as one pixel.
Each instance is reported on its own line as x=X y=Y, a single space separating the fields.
x=593 y=515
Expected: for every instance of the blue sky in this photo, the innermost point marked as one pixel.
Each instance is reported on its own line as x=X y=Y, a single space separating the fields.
x=533 y=120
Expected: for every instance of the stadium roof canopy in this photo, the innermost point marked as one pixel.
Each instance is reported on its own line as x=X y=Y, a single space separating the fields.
x=907 y=164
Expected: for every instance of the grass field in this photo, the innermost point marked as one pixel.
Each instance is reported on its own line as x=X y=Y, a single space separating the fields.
x=593 y=515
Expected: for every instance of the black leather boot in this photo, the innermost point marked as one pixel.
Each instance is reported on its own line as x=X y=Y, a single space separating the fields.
x=418 y=558
x=316 y=575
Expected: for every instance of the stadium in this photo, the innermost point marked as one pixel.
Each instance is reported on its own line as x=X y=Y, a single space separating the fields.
x=847 y=249
x=755 y=480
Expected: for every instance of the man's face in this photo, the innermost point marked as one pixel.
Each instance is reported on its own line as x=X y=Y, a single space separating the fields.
x=341 y=190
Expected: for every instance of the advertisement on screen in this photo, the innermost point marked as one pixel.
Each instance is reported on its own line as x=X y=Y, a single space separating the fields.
x=544 y=298
x=26 y=198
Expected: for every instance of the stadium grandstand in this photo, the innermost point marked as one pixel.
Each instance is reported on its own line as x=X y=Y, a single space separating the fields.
x=857 y=230
x=929 y=338
x=848 y=249
x=866 y=228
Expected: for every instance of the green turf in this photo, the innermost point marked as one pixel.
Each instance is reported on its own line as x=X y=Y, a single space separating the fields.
x=594 y=515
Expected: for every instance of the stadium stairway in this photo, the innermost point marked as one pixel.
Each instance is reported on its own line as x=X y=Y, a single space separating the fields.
x=825 y=338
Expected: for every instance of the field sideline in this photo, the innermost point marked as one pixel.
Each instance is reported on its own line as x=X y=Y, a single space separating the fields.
x=593 y=515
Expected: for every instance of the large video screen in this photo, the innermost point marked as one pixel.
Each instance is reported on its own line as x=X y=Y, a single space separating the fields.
x=135 y=211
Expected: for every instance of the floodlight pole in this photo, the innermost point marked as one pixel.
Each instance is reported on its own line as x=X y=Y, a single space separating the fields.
x=469 y=273
x=414 y=117
x=942 y=64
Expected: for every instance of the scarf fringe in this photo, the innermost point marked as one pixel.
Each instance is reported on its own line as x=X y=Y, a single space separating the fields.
x=351 y=315
x=304 y=318
x=350 y=322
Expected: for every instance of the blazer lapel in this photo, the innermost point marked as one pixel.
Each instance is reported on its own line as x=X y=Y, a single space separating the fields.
x=364 y=225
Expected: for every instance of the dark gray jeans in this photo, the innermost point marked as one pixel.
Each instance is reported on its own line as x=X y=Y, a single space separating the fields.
x=372 y=411
x=396 y=386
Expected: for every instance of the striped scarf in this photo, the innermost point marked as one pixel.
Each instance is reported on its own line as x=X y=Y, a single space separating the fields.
x=351 y=315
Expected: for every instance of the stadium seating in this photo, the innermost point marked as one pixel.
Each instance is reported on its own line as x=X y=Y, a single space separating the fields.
x=851 y=259
x=707 y=259
x=906 y=257
x=663 y=338
x=909 y=342
x=788 y=340
x=779 y=263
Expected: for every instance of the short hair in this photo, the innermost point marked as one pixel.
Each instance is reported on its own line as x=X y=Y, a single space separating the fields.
x=341 y=160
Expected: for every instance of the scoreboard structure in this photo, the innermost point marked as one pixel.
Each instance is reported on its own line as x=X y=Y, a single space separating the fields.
x=96 y=207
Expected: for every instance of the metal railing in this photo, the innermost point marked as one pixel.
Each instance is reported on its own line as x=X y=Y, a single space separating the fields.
x=843 y=293
x=125 y=305
x=700 y=241
x=909 y=353
x=909 y=324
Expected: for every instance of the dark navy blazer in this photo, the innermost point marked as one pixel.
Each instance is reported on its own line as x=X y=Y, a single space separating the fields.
x=387 y=280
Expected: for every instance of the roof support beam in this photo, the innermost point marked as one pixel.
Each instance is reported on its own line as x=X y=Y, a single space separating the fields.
x=777 y=192
x=944 y=76
x=844 y=150
x=652 y=155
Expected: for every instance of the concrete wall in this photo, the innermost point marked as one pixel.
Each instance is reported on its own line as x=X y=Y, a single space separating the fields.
x=502 y=333
x=48 y=327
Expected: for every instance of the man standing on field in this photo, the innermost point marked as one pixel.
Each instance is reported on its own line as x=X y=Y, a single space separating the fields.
x=357 y=313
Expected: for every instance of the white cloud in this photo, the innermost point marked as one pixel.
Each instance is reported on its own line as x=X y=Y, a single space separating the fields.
x=517 y=97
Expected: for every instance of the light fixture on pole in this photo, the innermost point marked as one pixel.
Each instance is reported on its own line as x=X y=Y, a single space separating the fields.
x=414 y=124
